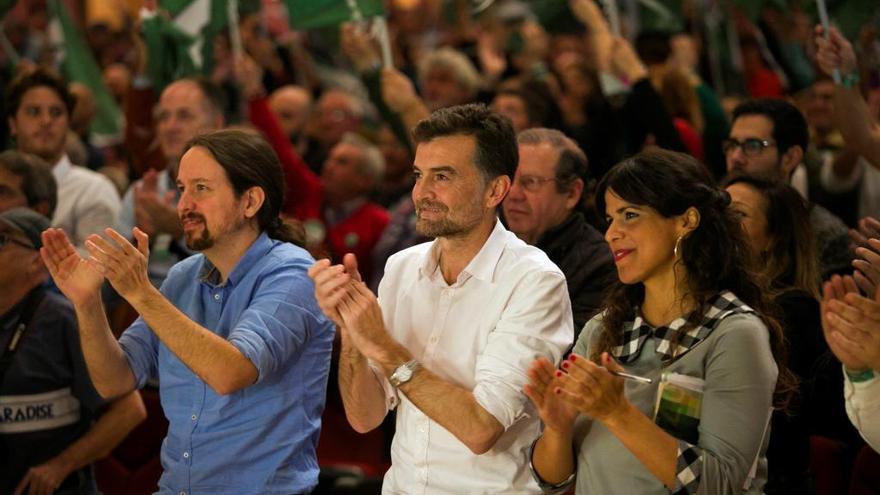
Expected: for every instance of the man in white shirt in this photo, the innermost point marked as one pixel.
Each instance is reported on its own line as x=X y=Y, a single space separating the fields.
x=457 y=321
x=39 y=106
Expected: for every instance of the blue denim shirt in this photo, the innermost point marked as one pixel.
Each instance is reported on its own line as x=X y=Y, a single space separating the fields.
x=261 y=439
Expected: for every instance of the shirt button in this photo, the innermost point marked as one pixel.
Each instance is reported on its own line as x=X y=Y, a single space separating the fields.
x=216 y=297
x=193 y=417
x=186 y=455
x=182 y=493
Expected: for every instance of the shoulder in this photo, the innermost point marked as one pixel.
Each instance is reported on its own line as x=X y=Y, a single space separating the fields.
x=588 y=335
x=90 y=179
x=741 y=332
x=521 y=260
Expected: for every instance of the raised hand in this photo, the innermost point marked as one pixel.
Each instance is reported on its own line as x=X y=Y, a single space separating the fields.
x=398 y=91
x=555 y=413
x=590 y=388
x=363 y=323
x=331 y=284
x=358 y=46
x=835 y=326
x=155 y=213
x=835 y=52
x=120 y=262
x=78 y=279
x=867 y=265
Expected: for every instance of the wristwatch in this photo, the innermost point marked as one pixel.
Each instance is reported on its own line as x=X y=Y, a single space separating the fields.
x=403 y=373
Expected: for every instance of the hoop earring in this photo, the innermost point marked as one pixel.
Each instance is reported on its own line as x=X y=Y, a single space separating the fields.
x=677 y=245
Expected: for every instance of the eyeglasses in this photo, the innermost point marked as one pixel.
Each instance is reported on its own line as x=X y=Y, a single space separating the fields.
x=6 y=239
x=750 y=146
x=532 y=183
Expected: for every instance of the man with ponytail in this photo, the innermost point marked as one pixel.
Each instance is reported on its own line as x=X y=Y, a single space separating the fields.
x=234 y=335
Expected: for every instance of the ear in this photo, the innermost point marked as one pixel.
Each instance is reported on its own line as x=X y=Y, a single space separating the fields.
x=790 y=160
x=573 y=196
x=12 y=130
x=36 y=269
x=689 y=221
x=253 y=201
x=496 y=191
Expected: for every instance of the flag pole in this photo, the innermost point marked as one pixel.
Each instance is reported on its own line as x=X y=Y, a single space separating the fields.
x=613 y=13
x=234 y=31
x=823 y=18
x=380 y=31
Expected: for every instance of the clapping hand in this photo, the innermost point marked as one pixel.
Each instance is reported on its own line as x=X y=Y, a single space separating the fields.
x=851 y=324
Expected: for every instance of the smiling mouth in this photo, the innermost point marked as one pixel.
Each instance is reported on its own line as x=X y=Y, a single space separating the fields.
x=621 y=253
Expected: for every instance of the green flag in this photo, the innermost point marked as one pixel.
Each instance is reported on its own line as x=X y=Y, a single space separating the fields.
x=313 y=14
x=79 y=65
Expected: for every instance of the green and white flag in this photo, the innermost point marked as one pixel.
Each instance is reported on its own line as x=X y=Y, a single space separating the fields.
x=314 y=14
x=78 y=64
x=182 y=45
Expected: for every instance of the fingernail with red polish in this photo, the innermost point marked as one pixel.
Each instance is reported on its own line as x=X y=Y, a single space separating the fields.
x=558 y=373
x=557 y=390
x=565 y=364
x=572 y=358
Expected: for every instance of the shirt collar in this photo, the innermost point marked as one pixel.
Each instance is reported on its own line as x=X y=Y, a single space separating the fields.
x=482 y=266
x=210 y=275
x=62 y=168
x=688 y=331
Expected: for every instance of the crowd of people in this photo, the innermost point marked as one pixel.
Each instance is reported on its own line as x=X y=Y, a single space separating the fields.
x=533 y=261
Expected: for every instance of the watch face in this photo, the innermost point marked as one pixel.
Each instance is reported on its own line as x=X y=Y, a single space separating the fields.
x=405 y=375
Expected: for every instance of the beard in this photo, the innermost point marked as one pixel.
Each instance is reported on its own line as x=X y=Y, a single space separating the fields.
x=443 y=227
x=202 y=241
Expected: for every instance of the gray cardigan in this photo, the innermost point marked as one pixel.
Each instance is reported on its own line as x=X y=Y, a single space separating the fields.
x=740 y=375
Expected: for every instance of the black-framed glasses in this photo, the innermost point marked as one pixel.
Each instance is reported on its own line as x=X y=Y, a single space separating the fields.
x=5 y=239
x=750 y=146
x=532 y=183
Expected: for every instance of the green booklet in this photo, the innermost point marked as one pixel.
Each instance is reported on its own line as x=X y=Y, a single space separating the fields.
x=677 y=409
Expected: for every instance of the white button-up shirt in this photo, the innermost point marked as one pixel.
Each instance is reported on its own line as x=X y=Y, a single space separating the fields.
x=509 y=306
x=88 y=202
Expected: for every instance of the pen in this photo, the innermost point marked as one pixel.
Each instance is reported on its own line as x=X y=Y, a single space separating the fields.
x=630 y=376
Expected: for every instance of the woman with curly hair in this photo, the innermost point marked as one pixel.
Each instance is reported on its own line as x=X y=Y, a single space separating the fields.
x=687 y=314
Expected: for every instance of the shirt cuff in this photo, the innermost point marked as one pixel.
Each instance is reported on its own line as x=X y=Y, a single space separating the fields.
x=688 y=469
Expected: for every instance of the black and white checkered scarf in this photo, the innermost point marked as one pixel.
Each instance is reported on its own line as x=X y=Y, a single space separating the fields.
x=686 y=335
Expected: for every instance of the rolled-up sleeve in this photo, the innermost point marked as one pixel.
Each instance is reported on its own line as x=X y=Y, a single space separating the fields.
x=737 y=403
x=277 y=323
x=536 y=323
x=141 y=348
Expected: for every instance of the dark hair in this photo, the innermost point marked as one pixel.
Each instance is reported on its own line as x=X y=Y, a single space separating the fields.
x=790 y=261
x=39 y=77
x=37 y=182
x=572 y=162
x=249 y=161
x=715 y=254
x=496 y=153
x=789 y=124
x=653 y=46
x=540 y=106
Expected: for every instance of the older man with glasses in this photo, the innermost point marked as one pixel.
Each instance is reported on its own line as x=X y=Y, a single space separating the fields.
x=767 y=139
x=541 y=209
x=48 y=433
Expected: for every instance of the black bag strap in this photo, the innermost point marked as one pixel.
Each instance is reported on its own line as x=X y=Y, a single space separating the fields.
x=31 y=303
